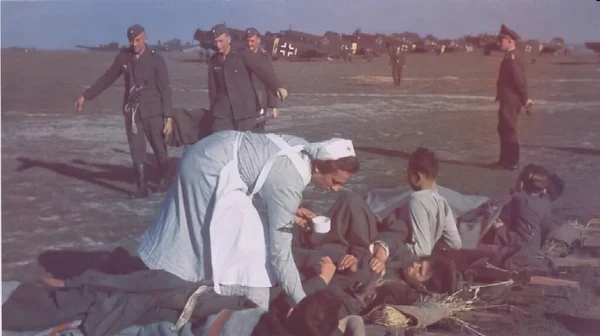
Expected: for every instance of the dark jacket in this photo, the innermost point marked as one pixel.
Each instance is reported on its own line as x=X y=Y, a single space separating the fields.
x=107 y=304
x=266 y=98
x=150 y=71
x=512 y=83
x=526 y=219
x=241 y=99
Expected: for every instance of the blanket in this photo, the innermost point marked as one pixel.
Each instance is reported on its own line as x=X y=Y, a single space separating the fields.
x=474 y=213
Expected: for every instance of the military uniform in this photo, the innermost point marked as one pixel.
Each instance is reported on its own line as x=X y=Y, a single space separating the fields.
x=265 y=99
x=512 y=95
x=145 y=116
x=233 y=101
x=397 y=63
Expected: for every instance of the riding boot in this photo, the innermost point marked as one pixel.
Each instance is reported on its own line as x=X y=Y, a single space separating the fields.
x=165 y=181
x=140 y=179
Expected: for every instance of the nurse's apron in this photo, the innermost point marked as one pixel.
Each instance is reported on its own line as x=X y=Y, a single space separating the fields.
x=238 y=239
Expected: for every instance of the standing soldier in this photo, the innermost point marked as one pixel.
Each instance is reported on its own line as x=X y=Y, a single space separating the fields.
x=233 y=102
x=147 y=103
x=397 y=63
x=266 y=99
x=512 y=95
x=346 y=53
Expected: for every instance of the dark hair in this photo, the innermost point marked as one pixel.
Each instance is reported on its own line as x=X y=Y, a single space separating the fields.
x=348 y=164
x=442 y=279
x=534 y=178
x=316 y=315
x=423 y=161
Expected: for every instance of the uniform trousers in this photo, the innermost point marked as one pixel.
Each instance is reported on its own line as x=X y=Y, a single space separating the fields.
x=508 y=118
x=147 y=128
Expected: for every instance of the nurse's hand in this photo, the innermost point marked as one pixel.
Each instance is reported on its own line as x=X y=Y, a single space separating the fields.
x=303 y=217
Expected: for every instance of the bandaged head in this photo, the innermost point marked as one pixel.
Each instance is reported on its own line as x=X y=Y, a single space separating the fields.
x=332 y=149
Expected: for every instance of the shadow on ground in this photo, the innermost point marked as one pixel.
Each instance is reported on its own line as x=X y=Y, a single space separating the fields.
x=100 y=174
x=574 y=150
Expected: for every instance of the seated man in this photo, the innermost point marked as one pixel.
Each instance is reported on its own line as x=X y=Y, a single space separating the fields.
x=527 y=217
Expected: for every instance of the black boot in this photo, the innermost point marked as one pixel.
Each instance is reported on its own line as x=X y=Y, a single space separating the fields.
x=140 y=180
x=165 y=179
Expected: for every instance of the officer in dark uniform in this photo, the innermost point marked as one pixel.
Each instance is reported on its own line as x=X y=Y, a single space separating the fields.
x=512 y=95
x=266 y=99
x=147 y=103
x=233 y=102
x=397 y=63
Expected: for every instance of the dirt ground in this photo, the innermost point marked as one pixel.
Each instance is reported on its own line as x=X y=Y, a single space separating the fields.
x=66 y=176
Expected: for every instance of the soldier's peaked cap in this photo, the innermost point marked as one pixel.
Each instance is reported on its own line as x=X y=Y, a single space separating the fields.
x=251 y=32
x=505 y=31
x=134 y=31
x=219 y=30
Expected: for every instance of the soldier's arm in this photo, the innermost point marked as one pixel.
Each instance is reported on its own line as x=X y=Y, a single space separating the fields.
x=164 y=87
x=109 y=77
x=258 y=66
x=519 y=80
x=272 y=101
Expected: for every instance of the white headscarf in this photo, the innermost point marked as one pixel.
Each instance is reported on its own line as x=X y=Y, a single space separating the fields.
x=331 y=149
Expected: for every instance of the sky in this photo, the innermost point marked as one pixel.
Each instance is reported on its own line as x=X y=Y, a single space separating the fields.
x=62 y=24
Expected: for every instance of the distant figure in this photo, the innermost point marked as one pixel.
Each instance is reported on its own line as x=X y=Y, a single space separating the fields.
x=346 y=53
x=233 y=101
x=397 y=63
x=368 y=54
x=147 y=105
x=512 y=95
x=266 y=99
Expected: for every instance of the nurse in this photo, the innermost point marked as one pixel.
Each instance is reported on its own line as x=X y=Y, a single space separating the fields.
x=207 y=228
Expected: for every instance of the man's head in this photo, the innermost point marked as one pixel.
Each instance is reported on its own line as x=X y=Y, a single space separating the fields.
x=222 y=38
x=253 y=39
x=316 y=315
x=534 y=180
x=137 y=38
x=507 y=38
x=422 y=169
x=333 y=162
x=433 y=273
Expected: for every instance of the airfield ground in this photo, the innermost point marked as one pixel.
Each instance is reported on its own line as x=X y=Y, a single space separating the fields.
x=66 y=176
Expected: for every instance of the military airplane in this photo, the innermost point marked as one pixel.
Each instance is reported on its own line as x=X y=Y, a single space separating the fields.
x=113 y=46
x=366 y=45
x=171 y=45
x=595 y=46
x=556 y=46
x=279 y=45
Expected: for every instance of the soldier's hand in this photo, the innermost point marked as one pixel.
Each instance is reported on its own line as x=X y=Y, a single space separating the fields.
x=79 y=104
x=275 y=113
x=528 y=106
x=282 y=94
x=168 y=127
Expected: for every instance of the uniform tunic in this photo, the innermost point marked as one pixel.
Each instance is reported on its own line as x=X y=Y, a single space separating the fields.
x=512 y=94
x=178 y=240
x=150 y=71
